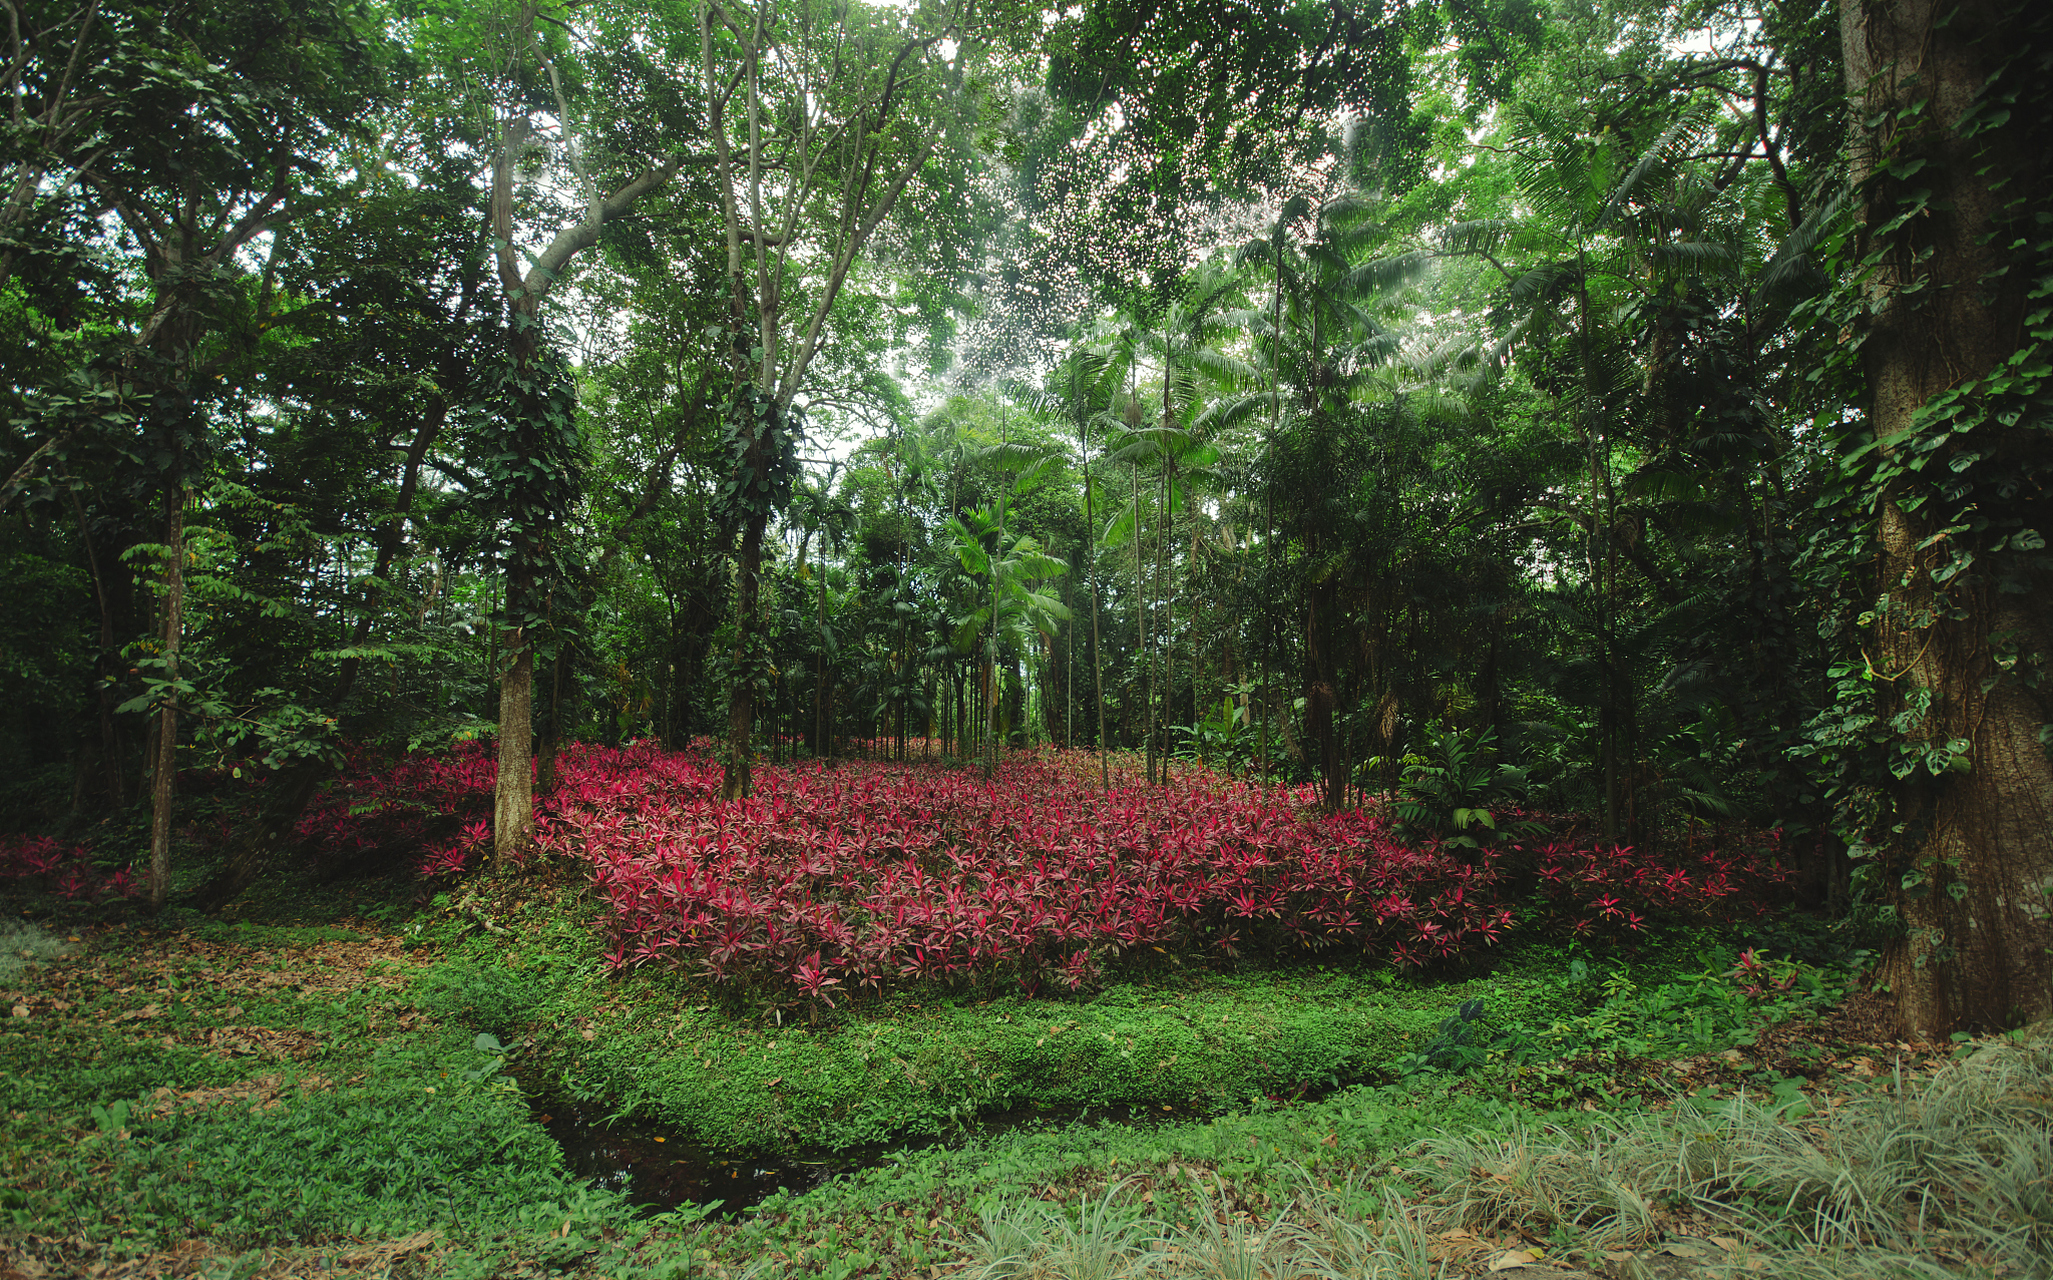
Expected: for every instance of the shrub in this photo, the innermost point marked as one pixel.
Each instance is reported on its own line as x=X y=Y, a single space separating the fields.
x=833 y=881
x=63 y=868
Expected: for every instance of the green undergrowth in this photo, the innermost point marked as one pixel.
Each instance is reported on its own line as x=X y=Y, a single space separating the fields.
x=1938 y=1175
x=242 y=1088
x=922 y=1208
x=1543 y=1023
x=293 y=1085
x=920 y=1065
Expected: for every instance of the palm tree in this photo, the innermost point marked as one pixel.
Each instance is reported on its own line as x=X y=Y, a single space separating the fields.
x=1011 y=603
x=817 y=511
x=1326 y=348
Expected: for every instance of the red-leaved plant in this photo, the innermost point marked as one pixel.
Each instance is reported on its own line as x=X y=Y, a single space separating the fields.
x=832 y=882
x=60 y=867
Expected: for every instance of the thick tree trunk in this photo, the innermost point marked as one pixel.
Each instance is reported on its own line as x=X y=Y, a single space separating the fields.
x=513 y=799
x=1947 y=310
x=513 y=795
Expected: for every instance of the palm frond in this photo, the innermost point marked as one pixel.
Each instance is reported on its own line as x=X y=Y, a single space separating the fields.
x=1013 y=457
x=1383 y=275
x=1695 y=256
x=1793 y=259
x=1675 y=140
x=1489 y=235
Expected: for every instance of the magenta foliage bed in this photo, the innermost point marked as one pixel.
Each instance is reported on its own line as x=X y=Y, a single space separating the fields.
x=871 y=874
x=64 y=868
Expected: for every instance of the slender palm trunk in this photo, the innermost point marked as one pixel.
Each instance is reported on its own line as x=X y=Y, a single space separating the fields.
x=1091 y=534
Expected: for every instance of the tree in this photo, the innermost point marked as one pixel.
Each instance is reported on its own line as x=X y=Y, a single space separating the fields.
x=198 y=158
x=1952 y=168
x=1013 y=567
x=822 y=118
x=384 y=301
x=537 y=467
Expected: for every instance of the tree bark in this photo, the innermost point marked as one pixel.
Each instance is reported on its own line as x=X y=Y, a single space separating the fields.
x=163 y=781
x=1947 y=309
x=513 y=794
x=513 y=798
x=737 y=778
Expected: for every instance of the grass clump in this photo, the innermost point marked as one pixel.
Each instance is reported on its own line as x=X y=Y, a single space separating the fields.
x=23 y=944
x=1955 y=1170
x=1320 y=1232
x=1947 y=1176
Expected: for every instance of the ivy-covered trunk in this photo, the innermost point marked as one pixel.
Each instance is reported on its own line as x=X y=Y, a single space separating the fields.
x=1953 y=168
x=537 y=476
x=737 y=775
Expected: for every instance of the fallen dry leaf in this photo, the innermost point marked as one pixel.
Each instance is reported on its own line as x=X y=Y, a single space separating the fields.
x=1512 y=1258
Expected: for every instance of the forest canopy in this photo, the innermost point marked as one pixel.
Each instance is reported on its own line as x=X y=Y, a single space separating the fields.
x=1614 y=409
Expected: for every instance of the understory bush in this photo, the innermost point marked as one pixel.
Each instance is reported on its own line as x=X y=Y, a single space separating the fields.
x=60 y=867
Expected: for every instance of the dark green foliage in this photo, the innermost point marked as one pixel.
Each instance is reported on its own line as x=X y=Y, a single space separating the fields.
x=532 y=456
x=1456 y=790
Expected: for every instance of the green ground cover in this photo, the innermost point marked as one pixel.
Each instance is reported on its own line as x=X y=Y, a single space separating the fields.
x=306 y=1085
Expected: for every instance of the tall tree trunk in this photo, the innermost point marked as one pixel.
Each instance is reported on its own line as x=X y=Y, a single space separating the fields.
x=1948 y=302
x=823 y=746
x=1165 y=636
x=164 y=779
x=737 y=777
x=513 y=795
x=1091 y=533
x=1140 y=623
x=513 y=799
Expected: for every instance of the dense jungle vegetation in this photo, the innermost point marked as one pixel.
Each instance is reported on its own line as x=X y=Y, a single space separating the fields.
x=1499 y=544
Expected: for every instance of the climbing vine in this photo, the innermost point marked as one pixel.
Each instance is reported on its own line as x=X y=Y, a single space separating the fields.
x=1970 y=474
x=534 y=466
